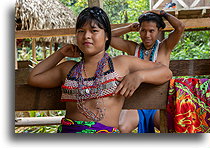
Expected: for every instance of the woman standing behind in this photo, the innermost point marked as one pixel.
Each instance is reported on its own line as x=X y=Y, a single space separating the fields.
x=150 y=26
x=88 y=86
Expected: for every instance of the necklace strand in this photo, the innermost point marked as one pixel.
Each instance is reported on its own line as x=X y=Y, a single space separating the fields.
x=143 y=50
x=100 y=108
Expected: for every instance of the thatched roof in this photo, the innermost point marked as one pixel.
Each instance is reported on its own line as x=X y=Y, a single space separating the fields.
x=44 y=14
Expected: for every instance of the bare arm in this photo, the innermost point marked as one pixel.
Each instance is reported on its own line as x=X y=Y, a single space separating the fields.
x=48 y=74
x=117 y=32
x=121 y=44
x=139 y=71
x=150 y=72
x=174 y=37
x=176 y=34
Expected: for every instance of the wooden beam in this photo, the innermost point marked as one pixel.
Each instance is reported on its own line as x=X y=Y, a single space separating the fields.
x=157 y=4
x=194 y=3
x=24 y=64
x=190 y=67
x=44 y=33
x=182 y=3
x=178 y=67
x=189 y=23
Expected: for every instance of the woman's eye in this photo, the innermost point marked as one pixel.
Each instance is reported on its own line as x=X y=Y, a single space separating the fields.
x=78 y=31
x=94 y=30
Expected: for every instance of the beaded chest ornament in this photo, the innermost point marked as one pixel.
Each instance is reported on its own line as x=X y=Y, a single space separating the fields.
x=100 y=108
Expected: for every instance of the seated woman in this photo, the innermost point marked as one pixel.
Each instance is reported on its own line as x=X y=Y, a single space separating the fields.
x=150 y=26
x=88 y=86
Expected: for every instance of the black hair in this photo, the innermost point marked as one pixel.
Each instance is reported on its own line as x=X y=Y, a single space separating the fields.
x=149 y=16
x=99 y=17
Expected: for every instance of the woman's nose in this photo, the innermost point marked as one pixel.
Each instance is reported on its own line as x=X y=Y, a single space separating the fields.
x=87 y=35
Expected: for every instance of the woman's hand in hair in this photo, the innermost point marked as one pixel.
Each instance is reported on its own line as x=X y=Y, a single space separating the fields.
x=70 y=50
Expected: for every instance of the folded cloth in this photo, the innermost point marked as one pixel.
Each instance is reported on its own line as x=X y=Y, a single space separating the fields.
x=71 y=126
x=188 y=105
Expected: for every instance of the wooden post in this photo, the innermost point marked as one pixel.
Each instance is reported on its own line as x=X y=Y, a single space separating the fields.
x=44 y=50
x=56 y=47
x=50 y=47
x=33 y=51
x=163 y=121
x=98 y=3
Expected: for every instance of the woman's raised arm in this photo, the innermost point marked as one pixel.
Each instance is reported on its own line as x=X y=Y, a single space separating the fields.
x=48 y=74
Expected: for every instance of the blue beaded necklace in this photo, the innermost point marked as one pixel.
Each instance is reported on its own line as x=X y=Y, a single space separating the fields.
x=142 y=50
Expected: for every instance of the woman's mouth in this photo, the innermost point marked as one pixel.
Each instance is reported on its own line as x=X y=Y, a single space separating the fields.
x=87 y=43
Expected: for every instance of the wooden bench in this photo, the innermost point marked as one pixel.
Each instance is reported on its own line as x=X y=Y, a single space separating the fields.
x=147 y=96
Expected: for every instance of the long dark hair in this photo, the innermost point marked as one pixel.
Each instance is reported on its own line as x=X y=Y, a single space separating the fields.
x=101 y=19
x=153 y=17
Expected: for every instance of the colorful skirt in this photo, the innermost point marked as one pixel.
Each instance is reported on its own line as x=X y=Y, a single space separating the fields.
x=71 y=126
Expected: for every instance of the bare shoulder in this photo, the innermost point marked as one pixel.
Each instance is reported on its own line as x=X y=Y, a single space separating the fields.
x=66 y=66
x=126 y=59
x=132 y=63
x=122 y=63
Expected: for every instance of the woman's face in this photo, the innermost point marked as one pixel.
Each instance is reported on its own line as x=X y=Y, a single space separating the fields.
x=149 y=33
x=91 y=39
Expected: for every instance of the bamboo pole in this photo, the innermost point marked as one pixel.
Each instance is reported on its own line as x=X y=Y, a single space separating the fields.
x=44 y=50
x=38 y=121
x=50 y=47
x=33 y=51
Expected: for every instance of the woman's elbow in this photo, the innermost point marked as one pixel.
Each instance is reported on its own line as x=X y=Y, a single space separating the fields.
x=166 y=73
